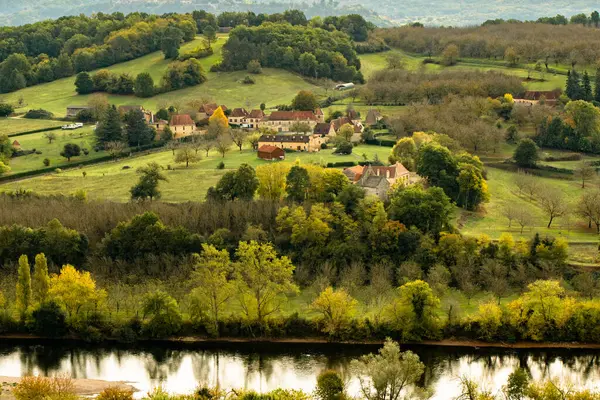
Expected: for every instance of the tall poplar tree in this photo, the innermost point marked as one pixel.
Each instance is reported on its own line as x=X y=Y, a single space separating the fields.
x=23 y=287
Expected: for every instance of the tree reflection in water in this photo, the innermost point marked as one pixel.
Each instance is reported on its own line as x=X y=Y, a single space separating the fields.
x=268 y=366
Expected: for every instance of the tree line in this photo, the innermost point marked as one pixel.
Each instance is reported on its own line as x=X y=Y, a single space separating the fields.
x=179 y=74
x=522 y=42
x=313 y=52
x=396 y=86
x=84 y=46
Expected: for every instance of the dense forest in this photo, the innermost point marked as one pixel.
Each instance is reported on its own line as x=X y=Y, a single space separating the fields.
x=310 y=51
x=51 y=50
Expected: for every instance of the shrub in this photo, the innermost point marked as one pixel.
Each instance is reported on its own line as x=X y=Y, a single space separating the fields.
x=85 y=116
x=38 y=114
x=323 y=146
x=42 y=388
x=6 y=109
x=248 y=80
x=49 y=319
x=221 y=165
x=344 y=148
x=329 y=386
x=165 y=317
x=254 y=67
x=115 y=393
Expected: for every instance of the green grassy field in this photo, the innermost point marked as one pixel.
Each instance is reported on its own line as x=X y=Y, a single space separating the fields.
x=83 y=137
x=111 y=181
x=273 y=86
x=11 y=126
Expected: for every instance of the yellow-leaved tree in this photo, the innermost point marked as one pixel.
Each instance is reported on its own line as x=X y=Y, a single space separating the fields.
x=272 y=180
x=218 y=117
x=76 y=291
x=337 y=308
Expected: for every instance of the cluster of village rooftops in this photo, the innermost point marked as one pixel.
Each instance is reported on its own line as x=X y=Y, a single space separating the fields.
x=291 y=130
x=303 y=131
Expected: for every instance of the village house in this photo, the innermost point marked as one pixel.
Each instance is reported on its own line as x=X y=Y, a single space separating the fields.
x=237 y=116
x=253 y=119
x=158 y=124
x=374 y=185
x=72 y=111
x=206 y=110
x=530 y=97
x=283 y=121
x=357 y=125
x=393 y=173
x=182 y=125
x=296 y=142
x=373 y=117
x=270 y=152
x=324 y=129
x=126 y=108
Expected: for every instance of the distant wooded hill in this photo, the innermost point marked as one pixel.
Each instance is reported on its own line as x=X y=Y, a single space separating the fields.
x=382 y=12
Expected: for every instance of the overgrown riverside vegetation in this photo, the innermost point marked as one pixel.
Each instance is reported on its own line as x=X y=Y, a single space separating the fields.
x=390 y=374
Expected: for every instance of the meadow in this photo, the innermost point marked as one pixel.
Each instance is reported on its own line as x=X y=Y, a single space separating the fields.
x=112 y=180
x=83 y=137
x=12 y=126
x=273 y=86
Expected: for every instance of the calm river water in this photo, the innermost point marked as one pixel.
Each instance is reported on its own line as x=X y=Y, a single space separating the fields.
x=262 y=367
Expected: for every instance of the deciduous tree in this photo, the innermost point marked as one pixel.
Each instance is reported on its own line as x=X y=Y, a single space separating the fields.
x=337 y=308
x=213 y=288
x=262 y=278
x=385 y=375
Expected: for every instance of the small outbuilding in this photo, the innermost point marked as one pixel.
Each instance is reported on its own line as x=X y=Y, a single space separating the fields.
x=269 y=152
x=16 y=144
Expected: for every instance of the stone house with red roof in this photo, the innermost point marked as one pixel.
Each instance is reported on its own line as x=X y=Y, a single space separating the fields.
x=182 y=125
x=282 y=121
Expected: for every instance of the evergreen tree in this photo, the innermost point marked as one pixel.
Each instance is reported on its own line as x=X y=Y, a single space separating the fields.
x=586 y=87
x=109 y=127
x=137 y=131
x=597 y=84
x=23 y=287
x=573 y=89
x=41 y=280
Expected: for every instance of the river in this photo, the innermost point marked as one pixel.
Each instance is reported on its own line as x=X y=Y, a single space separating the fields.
x=179 y=368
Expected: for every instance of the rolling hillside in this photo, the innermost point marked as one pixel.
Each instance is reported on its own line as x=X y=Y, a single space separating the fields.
x=273 y=86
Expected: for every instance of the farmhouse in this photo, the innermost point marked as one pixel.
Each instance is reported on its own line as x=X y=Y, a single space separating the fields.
x=237 y=116
x=393 y=173
x=269 y=152
x=158 y=124
x=296 y=142
x=374 y=184
x=358 y=127
x=282 y=121
x=72 y=111
x=125 y=109
x=373 y=117
x=549 y=97
x=253 y=118
x=207 y=110
x=324 y=129
x=182 y=125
